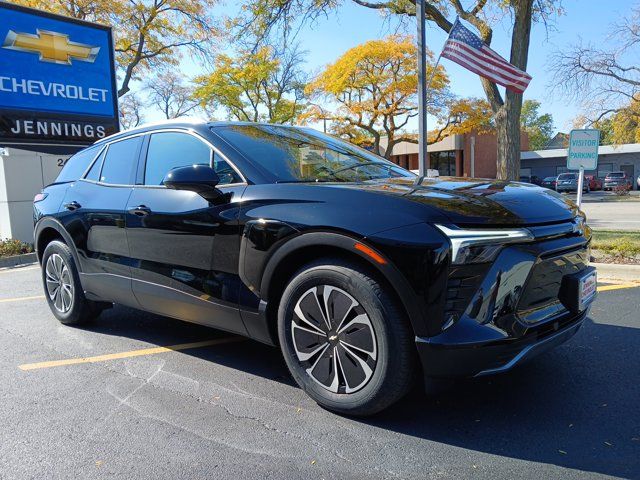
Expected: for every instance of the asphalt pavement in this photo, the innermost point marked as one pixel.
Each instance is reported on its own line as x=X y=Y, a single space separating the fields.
x=107 y=400
x=603 y=214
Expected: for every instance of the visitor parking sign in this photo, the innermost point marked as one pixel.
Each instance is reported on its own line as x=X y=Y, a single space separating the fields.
x=583 y=149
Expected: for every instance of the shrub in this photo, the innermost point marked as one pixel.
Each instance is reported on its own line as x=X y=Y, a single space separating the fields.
x=621 y=189
x=11 y=247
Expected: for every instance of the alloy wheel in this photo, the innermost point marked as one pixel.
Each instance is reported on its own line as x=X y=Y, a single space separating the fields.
x=334 y=339
x=59 y=283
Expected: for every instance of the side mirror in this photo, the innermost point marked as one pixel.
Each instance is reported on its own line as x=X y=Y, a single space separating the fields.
x=201 y=179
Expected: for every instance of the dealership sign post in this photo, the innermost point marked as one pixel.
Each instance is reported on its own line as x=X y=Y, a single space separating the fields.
x=583 y=154
x=57 y=79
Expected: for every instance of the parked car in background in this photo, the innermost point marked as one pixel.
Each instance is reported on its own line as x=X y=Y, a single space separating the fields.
x=568 y=182
x=595 y=183
x=534 y=179
x=550 y=182
x=616 y=179
x=364 y=275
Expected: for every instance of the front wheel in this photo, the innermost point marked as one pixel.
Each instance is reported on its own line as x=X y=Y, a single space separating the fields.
x=344 y=338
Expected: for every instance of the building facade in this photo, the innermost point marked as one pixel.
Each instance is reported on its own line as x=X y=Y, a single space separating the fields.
x=611 y=158
x=468 y=155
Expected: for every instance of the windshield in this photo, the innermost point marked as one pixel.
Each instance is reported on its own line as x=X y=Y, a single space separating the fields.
x=616 y=175
x=304 y=155
x=567 y=176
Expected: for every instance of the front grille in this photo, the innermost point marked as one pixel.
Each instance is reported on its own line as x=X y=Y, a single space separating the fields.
x=539 y=299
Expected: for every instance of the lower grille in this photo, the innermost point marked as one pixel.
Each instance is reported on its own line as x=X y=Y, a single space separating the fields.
x=463 y=282
x=539 y=299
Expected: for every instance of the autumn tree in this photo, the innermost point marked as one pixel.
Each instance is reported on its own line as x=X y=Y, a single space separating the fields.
x=265 y=85
x=374 y=89
x=538 y=126
x=148 y=33
x=171 y=95
x=264 y=15
x=463 y=115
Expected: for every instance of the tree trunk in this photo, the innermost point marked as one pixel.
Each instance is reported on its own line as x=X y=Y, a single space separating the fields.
x=508 y=115
x=508 y=138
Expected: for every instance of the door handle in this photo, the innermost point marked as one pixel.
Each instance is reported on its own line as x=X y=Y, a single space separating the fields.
x=72 y=206
x=140 y=211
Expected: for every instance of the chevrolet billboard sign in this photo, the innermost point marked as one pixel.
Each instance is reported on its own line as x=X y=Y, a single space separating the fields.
x=57 y=79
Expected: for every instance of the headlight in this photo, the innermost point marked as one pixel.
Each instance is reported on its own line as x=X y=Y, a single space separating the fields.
x=479 y=245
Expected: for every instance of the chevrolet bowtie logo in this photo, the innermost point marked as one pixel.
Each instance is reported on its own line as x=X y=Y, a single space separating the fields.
x=52 y=47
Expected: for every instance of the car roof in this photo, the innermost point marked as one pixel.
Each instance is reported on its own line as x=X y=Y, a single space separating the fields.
x=183 y=123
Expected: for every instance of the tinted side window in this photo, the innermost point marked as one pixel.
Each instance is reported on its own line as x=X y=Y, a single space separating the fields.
x=77 y=165
x=94 y=172
x=120 y=161
x=169 y=150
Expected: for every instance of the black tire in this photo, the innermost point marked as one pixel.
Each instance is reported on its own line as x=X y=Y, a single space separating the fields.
x=377 y=316
x=78 y=310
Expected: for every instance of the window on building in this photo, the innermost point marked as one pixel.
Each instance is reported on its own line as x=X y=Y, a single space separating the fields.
x=604 y=168
x=444 y=162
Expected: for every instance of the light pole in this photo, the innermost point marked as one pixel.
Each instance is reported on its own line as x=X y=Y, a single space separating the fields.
x=422 y=88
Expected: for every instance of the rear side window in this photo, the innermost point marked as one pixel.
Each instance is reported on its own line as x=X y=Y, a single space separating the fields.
x=94 y=171
x=77 y=165
x=120 y=161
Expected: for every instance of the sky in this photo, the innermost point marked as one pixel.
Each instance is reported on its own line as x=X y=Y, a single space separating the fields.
x=328 y=38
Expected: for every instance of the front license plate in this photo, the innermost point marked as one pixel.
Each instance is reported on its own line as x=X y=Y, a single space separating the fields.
x=587 y=288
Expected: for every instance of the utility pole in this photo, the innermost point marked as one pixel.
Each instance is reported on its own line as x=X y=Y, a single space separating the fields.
x=422 y=88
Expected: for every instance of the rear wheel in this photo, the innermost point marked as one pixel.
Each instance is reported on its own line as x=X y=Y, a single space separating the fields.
x=62 y=286
x=345 y=340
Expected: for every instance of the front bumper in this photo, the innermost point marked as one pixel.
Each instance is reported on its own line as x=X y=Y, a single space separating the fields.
x=615 y=184
x=522 y=306
x=473 y=357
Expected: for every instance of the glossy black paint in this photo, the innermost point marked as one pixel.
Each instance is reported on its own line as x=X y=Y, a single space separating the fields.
x=223 y=259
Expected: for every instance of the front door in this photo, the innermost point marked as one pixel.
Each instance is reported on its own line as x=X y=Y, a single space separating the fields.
x=185 y=249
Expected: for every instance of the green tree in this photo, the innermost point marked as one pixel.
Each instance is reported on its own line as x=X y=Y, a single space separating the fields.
x=538 y=126
x=255 y=86
x=261 y=16
x=148 y=33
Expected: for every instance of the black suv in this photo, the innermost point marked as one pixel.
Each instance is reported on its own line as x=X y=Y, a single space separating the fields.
x=361 y=272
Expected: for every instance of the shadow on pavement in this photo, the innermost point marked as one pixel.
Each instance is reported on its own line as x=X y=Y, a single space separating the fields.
x=577 y=406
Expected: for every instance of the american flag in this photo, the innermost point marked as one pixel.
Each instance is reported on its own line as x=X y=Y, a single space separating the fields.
x=466 y=49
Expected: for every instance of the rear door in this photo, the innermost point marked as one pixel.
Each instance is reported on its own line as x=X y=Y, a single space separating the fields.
x=185 y=249
x=96 y=219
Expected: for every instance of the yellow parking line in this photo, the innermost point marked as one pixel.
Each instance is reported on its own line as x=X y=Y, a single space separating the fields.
x=606 y=288
x=129 y=354
x=18 y=269
x=20 y=299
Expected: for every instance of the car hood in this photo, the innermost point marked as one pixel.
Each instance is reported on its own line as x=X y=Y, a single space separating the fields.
x=475 y=202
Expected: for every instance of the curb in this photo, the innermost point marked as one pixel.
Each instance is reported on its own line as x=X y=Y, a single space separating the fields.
x=617 y=271
x=17 y=260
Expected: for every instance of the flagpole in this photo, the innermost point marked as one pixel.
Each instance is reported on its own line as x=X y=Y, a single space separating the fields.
x=422 y=88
